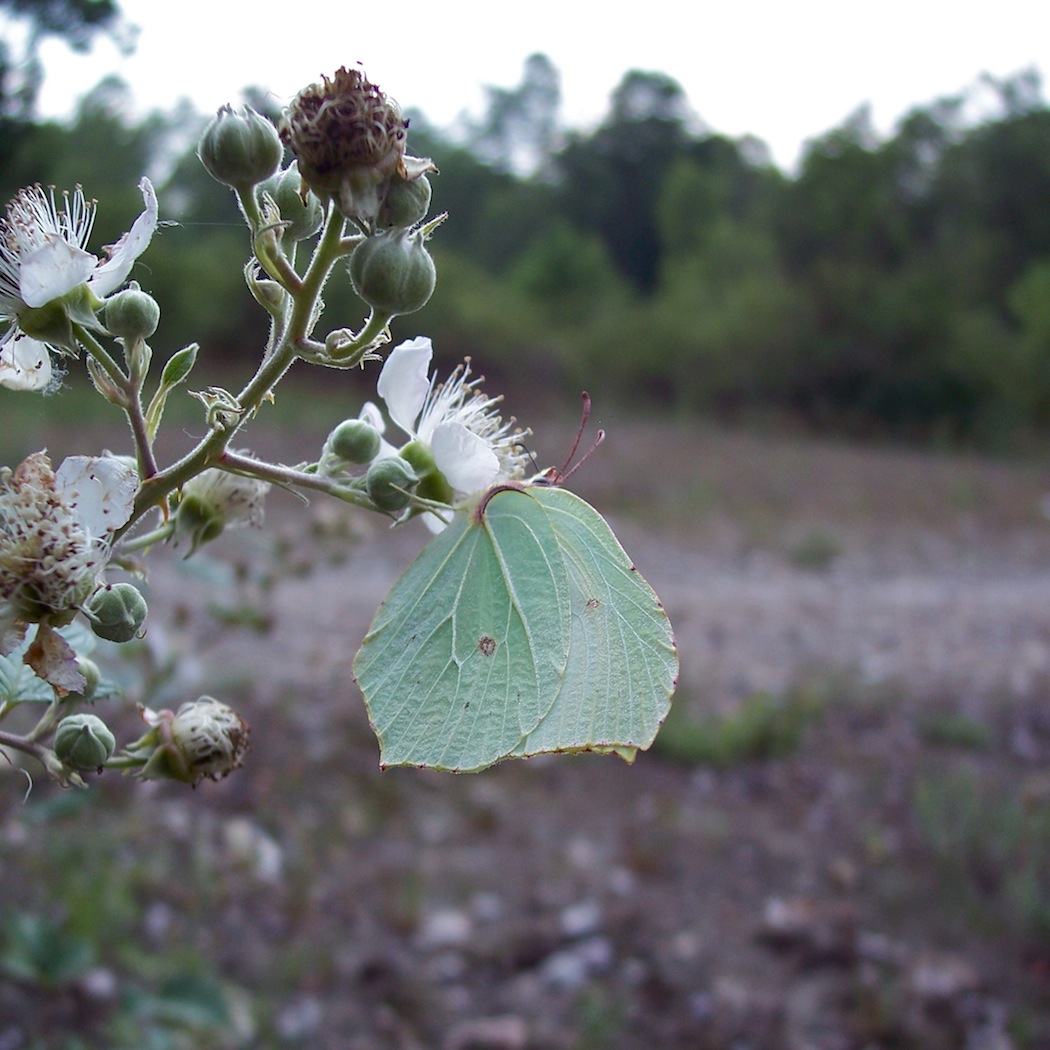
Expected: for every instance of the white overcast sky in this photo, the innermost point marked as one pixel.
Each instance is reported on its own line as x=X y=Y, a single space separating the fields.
x=782 y=71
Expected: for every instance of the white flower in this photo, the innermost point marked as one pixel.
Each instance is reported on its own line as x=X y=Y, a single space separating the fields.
x=215 y=500
x=43 y=257
x=473 y=448
x=235 y=499
x=55 y=532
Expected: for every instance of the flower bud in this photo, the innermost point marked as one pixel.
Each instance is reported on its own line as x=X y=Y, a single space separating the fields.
x=407 y=202
x=432 y=483
x=84 y=741
x=117 y=612
x=393 y=272
x=92 y=679
x=303 y=216
x=204 y=738
x=389 y=483
x=240 y=148
x=132 y=313
x=354 y=441
x=198 y=518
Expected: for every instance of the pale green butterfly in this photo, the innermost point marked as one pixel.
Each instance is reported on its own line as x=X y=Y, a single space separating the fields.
x=522 y=628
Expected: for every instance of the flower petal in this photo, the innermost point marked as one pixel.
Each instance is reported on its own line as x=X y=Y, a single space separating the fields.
x=100 y=490
x=370 y=413
x=403 y=382
x=111 y=274
x=466 y=460
x=25 y=363
x=437 y=520
x=52 y=270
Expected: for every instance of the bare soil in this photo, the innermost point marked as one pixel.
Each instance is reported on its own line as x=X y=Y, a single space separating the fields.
x=875 y=873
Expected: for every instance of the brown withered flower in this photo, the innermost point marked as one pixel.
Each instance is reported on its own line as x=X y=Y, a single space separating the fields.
x=349 y=140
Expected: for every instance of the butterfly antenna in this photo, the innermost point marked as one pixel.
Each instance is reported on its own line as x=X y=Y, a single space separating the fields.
x=585 y=414
x=566 y=472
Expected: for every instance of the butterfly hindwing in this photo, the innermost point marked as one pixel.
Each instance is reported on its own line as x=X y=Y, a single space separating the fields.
x=467 y=652
x=622 y=664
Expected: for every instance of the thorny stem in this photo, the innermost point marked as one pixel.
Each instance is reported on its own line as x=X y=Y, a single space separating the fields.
x=131 y=402
x=289 y=477
x=209 y=450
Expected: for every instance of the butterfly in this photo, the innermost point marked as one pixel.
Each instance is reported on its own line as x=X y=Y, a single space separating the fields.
x=523 y=628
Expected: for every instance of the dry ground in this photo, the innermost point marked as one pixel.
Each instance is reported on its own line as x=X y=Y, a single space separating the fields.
x=840 y=841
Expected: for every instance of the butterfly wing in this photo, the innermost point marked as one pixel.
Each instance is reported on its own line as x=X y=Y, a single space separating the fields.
x=622 y=663
x=467 y=653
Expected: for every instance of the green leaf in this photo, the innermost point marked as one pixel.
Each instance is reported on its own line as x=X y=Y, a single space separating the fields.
x=19 y=685
x=522 y=629
x=178 y=367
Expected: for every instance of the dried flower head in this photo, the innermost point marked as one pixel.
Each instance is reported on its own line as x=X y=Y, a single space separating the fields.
x=349 y=141
x=204 y=738
x=54 y=537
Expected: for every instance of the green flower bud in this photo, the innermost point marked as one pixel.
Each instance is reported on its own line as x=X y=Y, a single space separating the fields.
x=407 y=202
x=92 y=677
x=389 y=482
x=132 y=313
x=393 y=272
x=117 y=612
x=84 y=742
x=304 y=217
x=355 y=441
x=198 y=518
x=432 y=483
x=240 y=148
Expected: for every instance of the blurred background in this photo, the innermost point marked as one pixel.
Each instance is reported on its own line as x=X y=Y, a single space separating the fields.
x=800 y=257
x=884 y=275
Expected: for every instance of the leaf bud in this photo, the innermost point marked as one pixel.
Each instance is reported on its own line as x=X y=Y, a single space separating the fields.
x=302 y=215
x=393 y=272
x=354 y=441
x=84 y=741
x=389 y=483
x=117 y=612
x=407 y=202
x=240 y=148
x=132 y=313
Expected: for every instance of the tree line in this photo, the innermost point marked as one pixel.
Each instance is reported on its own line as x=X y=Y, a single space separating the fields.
x=894 y=284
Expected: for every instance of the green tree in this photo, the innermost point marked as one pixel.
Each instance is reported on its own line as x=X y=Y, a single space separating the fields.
x=609 y=182
x=519 y=131
x=30 y=23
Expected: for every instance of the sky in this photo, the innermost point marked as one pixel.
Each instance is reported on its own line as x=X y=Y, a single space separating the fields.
x=785 y=72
